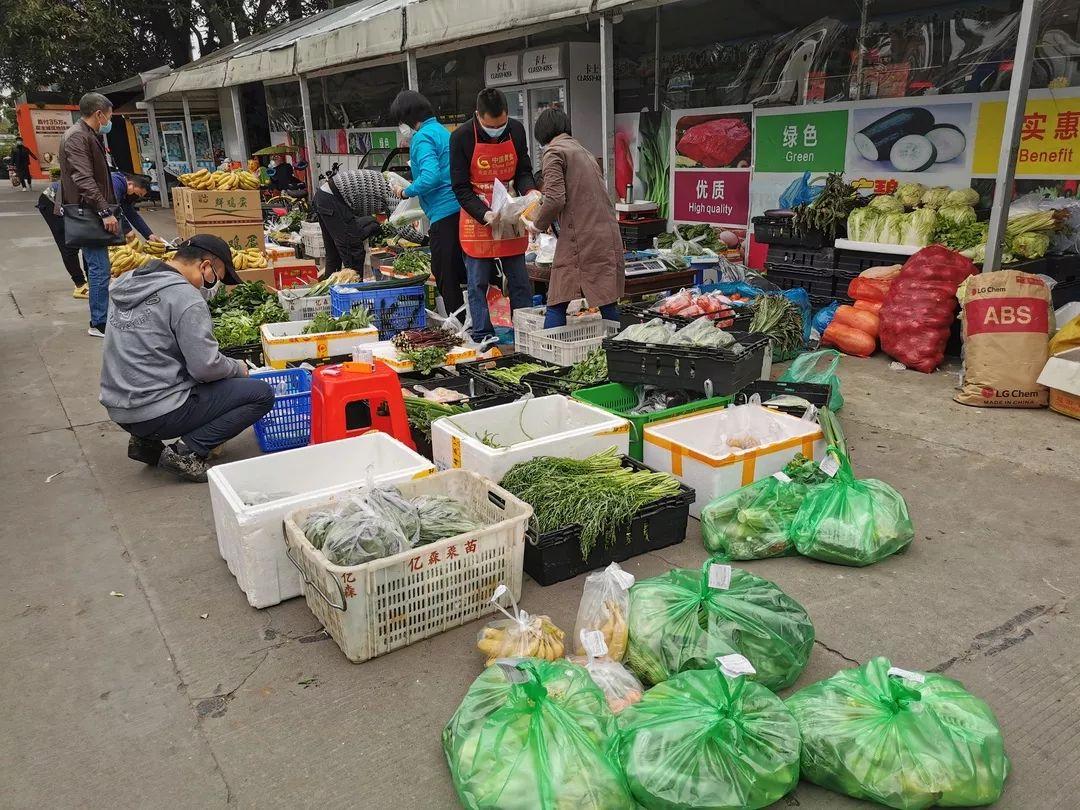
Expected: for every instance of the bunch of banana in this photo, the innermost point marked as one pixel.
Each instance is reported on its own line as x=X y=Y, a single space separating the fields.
x=125 y=258
x=202 y=179
x=152 y=248
x=246 y=179
x=536 y=638
x=205 y=180
x=248 y=259
x=615 y=630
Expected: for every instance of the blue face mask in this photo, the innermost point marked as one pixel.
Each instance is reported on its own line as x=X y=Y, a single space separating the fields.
x=106 y=128
x=493 y=132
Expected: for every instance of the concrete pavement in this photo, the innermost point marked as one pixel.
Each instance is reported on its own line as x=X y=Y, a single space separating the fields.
x=178 y=691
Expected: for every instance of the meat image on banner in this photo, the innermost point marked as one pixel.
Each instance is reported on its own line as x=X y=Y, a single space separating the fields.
x=712 y=155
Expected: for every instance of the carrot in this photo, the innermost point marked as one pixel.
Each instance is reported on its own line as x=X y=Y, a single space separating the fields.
x=869 y=306
x=849 y=340
x=869 y=288
x=859 y=319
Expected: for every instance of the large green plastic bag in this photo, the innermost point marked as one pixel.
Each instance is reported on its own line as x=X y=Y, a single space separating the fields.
x=679 y=622
x=851 y=521
x=540 y=744
x=806 y=368
x=752 y=523
x=702 y=741
x=907 y=740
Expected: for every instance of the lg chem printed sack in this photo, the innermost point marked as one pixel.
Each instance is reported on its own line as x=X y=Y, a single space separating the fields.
x=1006 y=331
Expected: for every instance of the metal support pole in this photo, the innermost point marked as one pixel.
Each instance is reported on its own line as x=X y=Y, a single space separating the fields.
x=864 y=24
x=411 y=71
x=189 y=134
x=656 y=63
x=159 y=160
x=1010 y=137
x=309 y=134
x=238 y=119
x=607 y=101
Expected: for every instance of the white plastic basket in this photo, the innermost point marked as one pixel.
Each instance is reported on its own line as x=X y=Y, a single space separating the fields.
x=249 y=535
x=566 y=345
x=379 y=606
x=544 y=426
x=300 y=307
x=689 y=447
x=530 y=320
x=285 y=342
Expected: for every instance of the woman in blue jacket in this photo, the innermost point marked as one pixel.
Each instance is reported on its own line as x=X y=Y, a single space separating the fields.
x=429 y=158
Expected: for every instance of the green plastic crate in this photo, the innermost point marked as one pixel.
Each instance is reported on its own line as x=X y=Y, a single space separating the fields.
x=618 y=398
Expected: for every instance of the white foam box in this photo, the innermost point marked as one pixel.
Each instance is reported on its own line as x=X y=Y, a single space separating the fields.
x=692 y=448
x=286 y=342
x=250 y=536
x=545 y=426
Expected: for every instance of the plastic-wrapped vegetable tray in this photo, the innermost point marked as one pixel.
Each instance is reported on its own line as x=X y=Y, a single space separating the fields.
x=629 y=314
x=716 y=372
x=555 y=556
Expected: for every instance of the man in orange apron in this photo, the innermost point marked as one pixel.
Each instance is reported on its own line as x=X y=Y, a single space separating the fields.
x=491 y=147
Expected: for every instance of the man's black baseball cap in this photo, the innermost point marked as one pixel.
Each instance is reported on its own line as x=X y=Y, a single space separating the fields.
x=218 y=247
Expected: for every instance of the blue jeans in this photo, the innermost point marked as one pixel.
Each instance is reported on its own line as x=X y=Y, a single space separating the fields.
x=479 y=276
x=97 y=266
x=556 y=314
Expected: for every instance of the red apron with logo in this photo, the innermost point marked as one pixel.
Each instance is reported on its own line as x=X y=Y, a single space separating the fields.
x=490 y=162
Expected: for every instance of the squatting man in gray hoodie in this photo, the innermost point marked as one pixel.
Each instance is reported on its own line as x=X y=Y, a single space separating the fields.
x=162 y=375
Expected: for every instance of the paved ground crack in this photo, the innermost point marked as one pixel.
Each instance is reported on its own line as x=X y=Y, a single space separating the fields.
x=1014 y=631
x=836 y=652
x=217 y=705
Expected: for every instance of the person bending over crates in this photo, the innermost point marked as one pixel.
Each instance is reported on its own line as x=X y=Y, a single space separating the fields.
x=162 y=374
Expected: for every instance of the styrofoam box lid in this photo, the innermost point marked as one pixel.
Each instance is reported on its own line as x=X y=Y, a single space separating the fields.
x=528 y=421
x=703 y=433
x=313 y=469
x=1062 y=372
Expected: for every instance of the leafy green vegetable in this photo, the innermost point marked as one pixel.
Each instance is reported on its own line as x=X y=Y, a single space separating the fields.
x=359 y=318
x=829 y=209
x=693 y=233
x=910 y=194
x=935 y=197
x=963 y=196
x=424 y=360
x=959 y=214
x=887 y=204
x=654 y=155
x=920 y=227
x=234 y=328
x=413 y=262
x=512 y=374
x=590 y=370
x=422 y=412
x=245 y=297
x=652 y=331
x=752 y=523
x=1031 y=245
x=859 y=221
x=960 y=236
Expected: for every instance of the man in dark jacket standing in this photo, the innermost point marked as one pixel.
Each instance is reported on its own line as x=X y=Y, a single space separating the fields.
x=20 y=161
x=490 y=147
x=85 y=179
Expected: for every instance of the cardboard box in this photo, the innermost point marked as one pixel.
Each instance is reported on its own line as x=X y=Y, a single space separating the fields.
x=217 y=207
x=1061 y=375
x=239 y=235
x=263 y=274
x=294 y=273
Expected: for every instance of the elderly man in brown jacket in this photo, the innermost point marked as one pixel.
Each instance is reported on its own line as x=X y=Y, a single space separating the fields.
x=589 y=255
x=84 y=179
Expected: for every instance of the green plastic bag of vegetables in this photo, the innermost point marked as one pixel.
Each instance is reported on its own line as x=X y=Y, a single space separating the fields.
x=851 y=521
x=903 y=739
x=752 y=523
x=684 y=619
x=808 y=368
x=707 y=741
x=532 y=734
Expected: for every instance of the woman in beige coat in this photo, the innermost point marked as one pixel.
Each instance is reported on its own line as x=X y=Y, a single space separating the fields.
x=589 y=256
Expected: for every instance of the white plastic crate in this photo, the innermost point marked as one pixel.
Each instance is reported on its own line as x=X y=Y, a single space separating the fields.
x=692 y=449
x=530 y=320
x=301 y=307
x=566 y=345
x=545 y=426
x=285 y=342
x=249 y=535
x=379 y=606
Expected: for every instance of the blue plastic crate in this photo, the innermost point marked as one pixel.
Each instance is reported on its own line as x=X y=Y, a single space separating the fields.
x=288 y=424
x=392 y=311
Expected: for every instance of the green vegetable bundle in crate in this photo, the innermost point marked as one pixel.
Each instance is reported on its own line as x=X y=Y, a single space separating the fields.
x=684 y=619
x=534 y=735
x=903 y=739
x=412 y=263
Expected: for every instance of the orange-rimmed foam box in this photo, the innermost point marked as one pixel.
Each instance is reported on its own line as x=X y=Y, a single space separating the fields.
x=286 y=342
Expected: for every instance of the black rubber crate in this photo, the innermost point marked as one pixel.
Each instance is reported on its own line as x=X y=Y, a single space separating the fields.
x=250 y=352
x=1065 y=291
x=816 y=281
x=841 y=280
x=715 y=372
x=824 y=258
x=542 y=383
x=556 y=555
x=639 y=235
x=1065 y=267
x=816 y=394
x=781 y=231
x=482 y=394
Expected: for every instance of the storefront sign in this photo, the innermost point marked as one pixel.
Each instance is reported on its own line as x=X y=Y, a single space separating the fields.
x=384 y=139
x=715 y=197
x=49 y=125
x=1049 y=139
x=542 y=63
x=797 y=142
x=502 y=69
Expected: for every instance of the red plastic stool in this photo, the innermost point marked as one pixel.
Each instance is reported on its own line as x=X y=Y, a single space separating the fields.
x=346 y=401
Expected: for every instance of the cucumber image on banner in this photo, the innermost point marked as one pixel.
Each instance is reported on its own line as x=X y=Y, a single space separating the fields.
x=914 y=139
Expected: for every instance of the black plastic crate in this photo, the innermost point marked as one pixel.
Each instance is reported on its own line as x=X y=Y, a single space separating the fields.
x=542 y=383
x=715 y=372
x=629 y=314
x=816 y=394
x=816 y=281
x=859 y=260
x=1063 y=267
x=1065 y=291
x=482 y=394
x=250 y=352
x=556 y=556
x=639 y=234
x=781 y=231
x=480 y=368
x=841 y=280
x=823 y=258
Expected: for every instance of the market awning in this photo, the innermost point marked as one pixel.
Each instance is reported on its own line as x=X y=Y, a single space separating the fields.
x=433 y=22
x=369 y=30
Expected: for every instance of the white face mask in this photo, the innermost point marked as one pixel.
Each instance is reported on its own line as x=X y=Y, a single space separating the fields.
x=405 y=133
x=493 y=132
